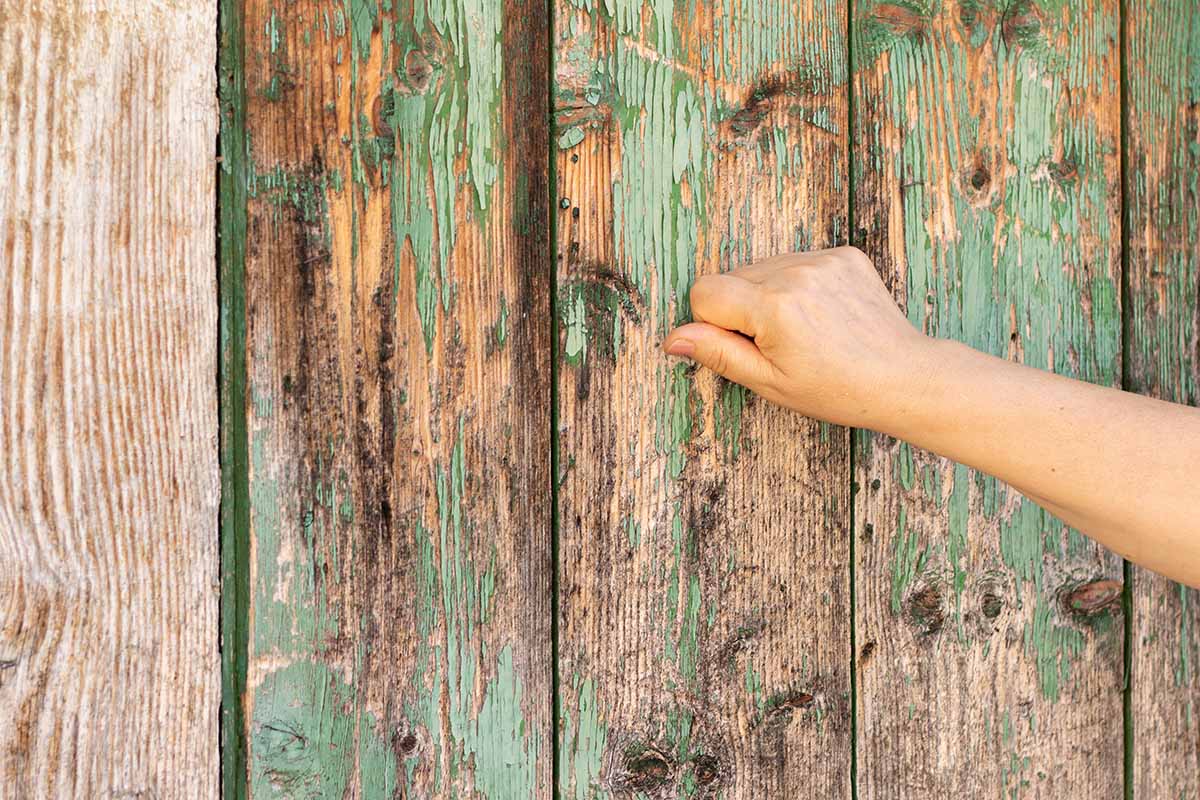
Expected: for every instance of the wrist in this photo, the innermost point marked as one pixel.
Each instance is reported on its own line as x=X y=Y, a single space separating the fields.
x=916 y=396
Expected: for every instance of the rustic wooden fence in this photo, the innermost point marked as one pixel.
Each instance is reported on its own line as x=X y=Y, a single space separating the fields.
x=447 y=524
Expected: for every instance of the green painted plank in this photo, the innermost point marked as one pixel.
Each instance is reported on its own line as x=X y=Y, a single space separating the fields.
x=396 y=400
x=1162 y=195
x=986 y=168
x=234 y=446
x=703 y=583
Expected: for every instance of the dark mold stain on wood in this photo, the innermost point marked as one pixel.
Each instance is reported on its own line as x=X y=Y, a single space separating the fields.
x=648 y=768
x=865 y=653
x=926 y=609
x=741 y=640
x=768 y=94
x=645 y=770
x=990 y=604
x=781 y=707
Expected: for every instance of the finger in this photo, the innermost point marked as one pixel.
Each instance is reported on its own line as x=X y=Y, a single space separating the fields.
x=762 y=269
x=726 y=353
x=725 y=301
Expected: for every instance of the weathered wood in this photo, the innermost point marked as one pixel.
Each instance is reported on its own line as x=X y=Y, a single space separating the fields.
x=986 y=180
x=703 y=569
x=397 y=400
x=1162 y=195
x=234 y=448
x=109 y=670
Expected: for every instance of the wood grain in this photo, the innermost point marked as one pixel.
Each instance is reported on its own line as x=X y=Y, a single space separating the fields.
x=703 y=570
x=397 y=400
x=109 y=670
x=986 y=179
x=1162 y=193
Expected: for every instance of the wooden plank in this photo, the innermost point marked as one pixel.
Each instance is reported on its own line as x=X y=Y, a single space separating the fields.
x=234 y=448
x=1162 y=193
x=109 y=670
x=987 y=191
x=397 y=400
x=703 y=569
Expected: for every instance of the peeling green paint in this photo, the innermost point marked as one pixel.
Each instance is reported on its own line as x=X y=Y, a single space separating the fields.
x=570 y=138
x=589 y=308
x=574 y=322
x=634 y=88
x=1017 y=769
x=501 y=327
x=584 y=741
x=1161 y=299
x=432 y=129
x=1006 y=244
x=1054 y=647
x=689 y=651
x=423 y=197
x=454 y=595
x=464 y=598
x=1024 y=539
x=504 y=754
x=959 y=514
x=1183 y=671
x=293 y=193
x=728 y=417
x=290 y=614
x=662 y=126
x=905 y=471
x=754 y=688
x=363 y=15
x=673 y=416
x=273 y=32
x=633 y=530
x=306 y=728
x=473 y=31
x=907 y=561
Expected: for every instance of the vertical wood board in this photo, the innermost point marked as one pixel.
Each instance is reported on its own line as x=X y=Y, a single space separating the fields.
x=109 y=666
x=1162 y=191
x=397 y=400
x=986 y=169
x=703 y=563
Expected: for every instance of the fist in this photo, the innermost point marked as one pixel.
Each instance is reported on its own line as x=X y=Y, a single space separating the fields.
x=816 y=332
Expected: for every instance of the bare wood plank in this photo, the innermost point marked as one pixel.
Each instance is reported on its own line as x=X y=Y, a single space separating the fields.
x=109 y=670
x=986 y=186
x=1162 y=191
x=704 y=591
x=398 y=400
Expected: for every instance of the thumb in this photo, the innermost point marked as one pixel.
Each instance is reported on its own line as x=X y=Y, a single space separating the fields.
x=726 y=353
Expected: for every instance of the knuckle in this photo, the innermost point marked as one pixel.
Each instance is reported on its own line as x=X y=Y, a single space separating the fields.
x=702 y=291
x=854 y=256
x=776 y=297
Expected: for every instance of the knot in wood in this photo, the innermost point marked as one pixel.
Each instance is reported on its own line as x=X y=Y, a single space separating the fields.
x=1093 y=598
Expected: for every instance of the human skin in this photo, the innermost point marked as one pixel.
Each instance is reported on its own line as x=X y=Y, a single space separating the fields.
x=819 y=333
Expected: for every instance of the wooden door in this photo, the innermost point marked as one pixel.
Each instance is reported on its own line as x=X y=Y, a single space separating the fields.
x=340 y=458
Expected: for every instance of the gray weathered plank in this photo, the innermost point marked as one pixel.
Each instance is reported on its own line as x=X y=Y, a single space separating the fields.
x=109 y=670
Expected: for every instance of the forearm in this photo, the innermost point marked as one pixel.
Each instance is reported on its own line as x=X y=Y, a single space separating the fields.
x=819 y=333
x=1120 y=467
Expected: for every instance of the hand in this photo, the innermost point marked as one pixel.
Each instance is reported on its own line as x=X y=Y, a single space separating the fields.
x=817 y=332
